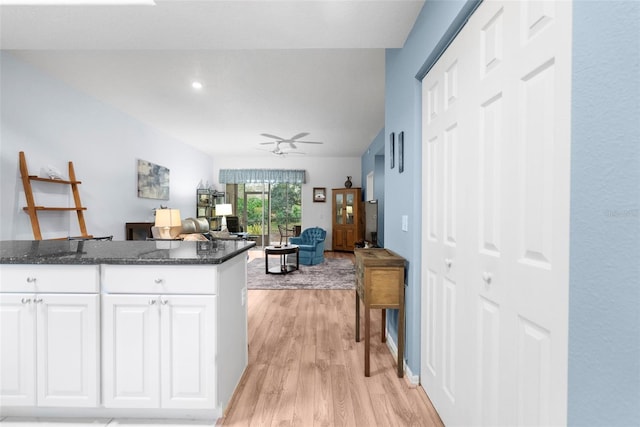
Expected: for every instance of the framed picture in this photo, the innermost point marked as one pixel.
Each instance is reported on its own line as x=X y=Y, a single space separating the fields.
x=319 y=194
x=401 y=152
x=153 y=181
x=392 y=150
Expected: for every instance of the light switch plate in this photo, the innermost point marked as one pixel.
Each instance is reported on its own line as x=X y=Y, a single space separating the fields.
x=405 y=223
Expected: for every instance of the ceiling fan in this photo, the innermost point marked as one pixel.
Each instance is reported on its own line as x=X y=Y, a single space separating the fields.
x=277 y=140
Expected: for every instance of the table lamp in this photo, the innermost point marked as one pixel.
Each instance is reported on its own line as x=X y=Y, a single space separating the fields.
x=165 y=219
x=223 y=210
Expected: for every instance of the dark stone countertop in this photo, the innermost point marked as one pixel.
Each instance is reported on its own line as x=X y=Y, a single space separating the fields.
x=120 y=252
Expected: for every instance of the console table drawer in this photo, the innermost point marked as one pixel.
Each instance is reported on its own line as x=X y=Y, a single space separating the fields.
x=383 y=287
x=154 y=279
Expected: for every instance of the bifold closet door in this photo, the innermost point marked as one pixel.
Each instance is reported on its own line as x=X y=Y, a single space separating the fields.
x=496 y=158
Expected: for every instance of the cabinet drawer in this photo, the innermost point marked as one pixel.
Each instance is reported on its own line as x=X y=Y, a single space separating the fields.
x=49 y=278
x=163 y=279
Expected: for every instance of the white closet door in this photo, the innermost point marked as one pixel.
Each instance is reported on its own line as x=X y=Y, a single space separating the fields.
x=494 y=341
x=445 y=240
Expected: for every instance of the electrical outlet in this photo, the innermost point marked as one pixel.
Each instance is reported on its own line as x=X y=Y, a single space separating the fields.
x=405 y=223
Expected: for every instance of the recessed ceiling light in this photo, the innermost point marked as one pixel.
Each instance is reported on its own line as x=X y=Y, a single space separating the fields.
x=196 y=85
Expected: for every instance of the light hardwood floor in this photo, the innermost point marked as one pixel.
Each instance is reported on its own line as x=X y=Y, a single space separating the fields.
x=305 y=368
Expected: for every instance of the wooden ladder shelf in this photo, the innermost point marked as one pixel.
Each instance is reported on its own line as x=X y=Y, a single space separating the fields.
x=33 y=210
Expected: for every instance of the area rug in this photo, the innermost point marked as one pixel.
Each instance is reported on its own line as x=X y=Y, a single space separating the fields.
x=333 y=273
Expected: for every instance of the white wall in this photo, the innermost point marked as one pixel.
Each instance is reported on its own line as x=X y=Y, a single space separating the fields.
x=53 y=124
x=320 y=172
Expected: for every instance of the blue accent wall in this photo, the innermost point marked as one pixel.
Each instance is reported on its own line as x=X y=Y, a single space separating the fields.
x=604 y=292
x=403 y=191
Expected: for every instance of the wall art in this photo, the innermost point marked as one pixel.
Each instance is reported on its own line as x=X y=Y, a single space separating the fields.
x=153 y=181
x=319 y=194
x=392 y=150
x=401 y=152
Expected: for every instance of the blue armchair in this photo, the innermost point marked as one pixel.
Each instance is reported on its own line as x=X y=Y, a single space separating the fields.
x=310 y=245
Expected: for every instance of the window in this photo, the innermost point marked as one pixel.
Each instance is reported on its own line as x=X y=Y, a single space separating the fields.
x=261 y=207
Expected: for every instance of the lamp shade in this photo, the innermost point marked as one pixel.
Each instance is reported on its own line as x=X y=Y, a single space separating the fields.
x=168 y=218
x=224 y=209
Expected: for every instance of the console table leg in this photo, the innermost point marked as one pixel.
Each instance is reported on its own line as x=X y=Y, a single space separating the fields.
x=401 y=338
x=367 y=340
x=357 y=317
x=383 y=328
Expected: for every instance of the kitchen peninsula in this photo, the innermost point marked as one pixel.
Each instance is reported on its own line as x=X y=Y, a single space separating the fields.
x=131 y=329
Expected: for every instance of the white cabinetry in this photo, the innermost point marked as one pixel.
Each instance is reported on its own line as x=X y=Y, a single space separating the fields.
x=159 y=347
x=50 y=336
x=159 y=351
x=172 y=341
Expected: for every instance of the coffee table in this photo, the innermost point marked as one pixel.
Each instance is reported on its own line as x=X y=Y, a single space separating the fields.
x=284 y=266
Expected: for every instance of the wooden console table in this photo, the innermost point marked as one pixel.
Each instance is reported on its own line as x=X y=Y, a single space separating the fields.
x=380 y=284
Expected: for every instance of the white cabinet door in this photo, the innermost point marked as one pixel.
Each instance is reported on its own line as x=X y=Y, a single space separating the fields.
x=17 y=350
x=130 y=353
x=67 y=343
x=188 y=365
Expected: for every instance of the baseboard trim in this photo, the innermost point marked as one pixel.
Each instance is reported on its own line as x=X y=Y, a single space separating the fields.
x=414 y=380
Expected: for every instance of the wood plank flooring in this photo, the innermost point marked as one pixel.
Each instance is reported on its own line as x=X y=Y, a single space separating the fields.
x=305 y=368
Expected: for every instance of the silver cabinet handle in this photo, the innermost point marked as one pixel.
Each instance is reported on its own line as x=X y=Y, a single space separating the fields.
x=31 y=280
x=152 y=302
x=448 y=262
x=159 y=280
x=26 y=300
x=164 y=301
x=486 y=276
x=38 y=300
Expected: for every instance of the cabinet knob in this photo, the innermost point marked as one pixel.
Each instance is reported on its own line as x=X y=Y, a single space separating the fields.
x=38 y=300
x=159 y=280
x=164 y=301
x=486 y=276
x=152 y=302
x=26 y=300
x=31 y=280
x=448 y=262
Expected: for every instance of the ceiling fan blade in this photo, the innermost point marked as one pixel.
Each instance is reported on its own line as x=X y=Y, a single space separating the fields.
x=268 y=142
x=292 y=145
x=272 y=136
x=300 y=135
x=310 y=142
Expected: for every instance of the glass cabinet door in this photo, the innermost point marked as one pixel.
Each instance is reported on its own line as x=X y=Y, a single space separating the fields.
x=339 y=199
x=349 y=208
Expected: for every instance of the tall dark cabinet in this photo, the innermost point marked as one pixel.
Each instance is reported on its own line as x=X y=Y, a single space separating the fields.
x=348 y=218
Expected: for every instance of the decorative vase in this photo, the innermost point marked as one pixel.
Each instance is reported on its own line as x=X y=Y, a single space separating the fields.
x=348 y=183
